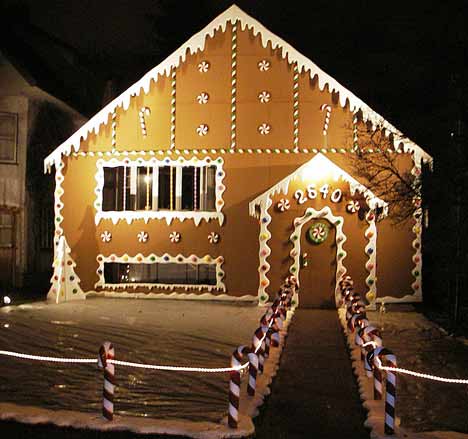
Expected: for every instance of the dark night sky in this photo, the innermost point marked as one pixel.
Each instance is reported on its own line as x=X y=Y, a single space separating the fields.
x=398 y=57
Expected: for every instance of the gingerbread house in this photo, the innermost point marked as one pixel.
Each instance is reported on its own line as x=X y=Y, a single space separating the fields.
x=223 y=169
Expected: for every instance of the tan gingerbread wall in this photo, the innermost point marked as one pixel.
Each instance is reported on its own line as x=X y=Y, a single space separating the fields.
x=175 y=110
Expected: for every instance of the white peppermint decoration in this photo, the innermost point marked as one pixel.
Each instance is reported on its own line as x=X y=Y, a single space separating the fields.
x=213 y=238
x=142 y=236
x=174 y=236
x=106 y=236
x=203 y=67
x=202 y=129
x=264 y=129
x=264 y=65
x=202 y=98
x=283 y=205
x=264 y=97
x=352 y=206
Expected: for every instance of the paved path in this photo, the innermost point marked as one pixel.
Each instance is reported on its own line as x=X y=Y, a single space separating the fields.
x=315 y=394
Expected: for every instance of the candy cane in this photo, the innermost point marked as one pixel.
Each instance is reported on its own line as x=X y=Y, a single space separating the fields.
x=390 y=387
x=144 y=111
x=258 y=345
x=370 y=367
x=106 y=352
x=234 y=385
x=327 y=108
x=369 y=334
x=357 y=319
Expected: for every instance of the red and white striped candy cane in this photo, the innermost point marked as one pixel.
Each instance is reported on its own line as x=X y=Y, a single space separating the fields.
x=106 y=353
x=357 y=320
x=258 y=345
x=234 y=385
x=390 y=387
x=327 y=108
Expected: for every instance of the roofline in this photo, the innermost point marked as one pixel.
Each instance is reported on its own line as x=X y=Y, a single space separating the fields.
x=197 y=43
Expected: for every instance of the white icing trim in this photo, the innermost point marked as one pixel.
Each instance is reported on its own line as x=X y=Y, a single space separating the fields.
x=317 y=164
x=197 y=43
x=264 y=250
x=340 y=238
x=166 y=258
x=168 y=215
x=409 y=298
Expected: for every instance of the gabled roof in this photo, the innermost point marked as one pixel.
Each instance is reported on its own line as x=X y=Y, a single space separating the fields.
x=317 y=165
x=197 y=43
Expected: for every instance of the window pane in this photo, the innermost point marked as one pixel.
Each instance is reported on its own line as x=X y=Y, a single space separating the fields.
x=164 y=195
x=172 y=273
x=6 y=237
x=8 y=125
x=210 y=188
x=6 y=219
x=7 y=150
x=207 y=274
x=109 y=189
x=145 y=187
x=188 y=188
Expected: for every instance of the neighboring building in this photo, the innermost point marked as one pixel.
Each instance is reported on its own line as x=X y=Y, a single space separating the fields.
x=31 y=121
x=156 y=193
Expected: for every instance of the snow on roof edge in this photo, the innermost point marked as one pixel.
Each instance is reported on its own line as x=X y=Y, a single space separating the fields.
x=196 y=43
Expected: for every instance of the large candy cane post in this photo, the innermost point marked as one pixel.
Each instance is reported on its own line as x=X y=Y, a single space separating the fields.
x=390 y=387
x=370 y=367
x=106 y=353
x=234 y=386
x=258 y=345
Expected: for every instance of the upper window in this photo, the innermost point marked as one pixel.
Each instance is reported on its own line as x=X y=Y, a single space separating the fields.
x=8 y=137
x=159 y=188
x=166 y=188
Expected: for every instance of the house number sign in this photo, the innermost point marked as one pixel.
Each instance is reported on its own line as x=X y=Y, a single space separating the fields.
x=311 y=193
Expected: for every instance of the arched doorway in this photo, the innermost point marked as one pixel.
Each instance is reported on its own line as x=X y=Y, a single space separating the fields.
x=318 y=274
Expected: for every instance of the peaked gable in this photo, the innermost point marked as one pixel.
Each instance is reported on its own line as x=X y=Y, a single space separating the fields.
x=317 y=165
x=232 y=17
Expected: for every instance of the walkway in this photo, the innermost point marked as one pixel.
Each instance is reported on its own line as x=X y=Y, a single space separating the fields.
x=315 y=394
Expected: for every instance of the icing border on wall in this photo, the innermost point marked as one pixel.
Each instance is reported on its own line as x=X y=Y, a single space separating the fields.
x=165 y=258
x=340 y=238
x=168 y=215
x=197 y=43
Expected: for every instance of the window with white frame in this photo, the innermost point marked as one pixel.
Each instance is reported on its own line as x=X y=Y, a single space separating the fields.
x=159 y=187
x=8 y=137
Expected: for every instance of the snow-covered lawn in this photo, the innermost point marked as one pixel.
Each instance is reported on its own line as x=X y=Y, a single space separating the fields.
x=182 y=333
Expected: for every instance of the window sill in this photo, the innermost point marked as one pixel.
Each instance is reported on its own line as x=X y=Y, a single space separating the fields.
x=168 y=215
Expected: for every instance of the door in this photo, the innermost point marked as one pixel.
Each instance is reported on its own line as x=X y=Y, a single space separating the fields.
x=7 y=249
x=318 y=265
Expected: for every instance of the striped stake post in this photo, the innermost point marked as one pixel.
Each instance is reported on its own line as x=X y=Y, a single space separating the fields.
x=390 y=387
x=234 y=385
x=106 y=353
x=253 y=371
x=258 y=345
x=370 y=367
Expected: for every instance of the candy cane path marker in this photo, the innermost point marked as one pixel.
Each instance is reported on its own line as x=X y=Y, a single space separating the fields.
x=106 y=353
x=390 y=387
x=234 y=385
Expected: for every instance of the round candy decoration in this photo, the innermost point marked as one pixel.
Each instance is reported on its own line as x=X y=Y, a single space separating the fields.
x=142 y=236
x=352 y=206
x=283 y=205
x=318 y=233
x=174 y=237
x=106 y=236
x=213 y=238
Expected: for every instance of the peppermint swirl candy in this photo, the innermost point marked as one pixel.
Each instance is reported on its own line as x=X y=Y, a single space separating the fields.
x=283 y=205
x=318 y=233
x=142 y=237
x=213 y=238
x=174 y=236
x=352 y=206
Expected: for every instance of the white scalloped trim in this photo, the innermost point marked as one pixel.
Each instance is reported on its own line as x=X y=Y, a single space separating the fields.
x=317 y=164
x=197 y=43
x=168 y=215
x=340 y=238
x=165 y=258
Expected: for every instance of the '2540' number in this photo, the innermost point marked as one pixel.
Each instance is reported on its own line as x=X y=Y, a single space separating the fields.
x=311 y=193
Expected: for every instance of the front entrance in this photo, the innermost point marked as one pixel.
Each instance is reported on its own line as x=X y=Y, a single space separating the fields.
x=318 y=265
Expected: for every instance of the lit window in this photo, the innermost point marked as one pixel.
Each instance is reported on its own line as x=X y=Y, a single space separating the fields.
x=177 y=188
x=8 y=137
x=160 y=273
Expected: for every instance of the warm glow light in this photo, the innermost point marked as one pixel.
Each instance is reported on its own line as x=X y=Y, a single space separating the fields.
x=6 y=300
x=321 y=169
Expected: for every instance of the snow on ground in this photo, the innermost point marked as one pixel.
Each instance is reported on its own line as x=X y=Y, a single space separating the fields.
x=425 y=409
x=183 y=333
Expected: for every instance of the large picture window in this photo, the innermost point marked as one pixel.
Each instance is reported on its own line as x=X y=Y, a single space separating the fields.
x=8 y=137
x=167 y=188
x=159 y=188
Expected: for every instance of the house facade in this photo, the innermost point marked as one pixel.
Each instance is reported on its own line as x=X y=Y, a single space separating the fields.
x=27 y=118
x=226 y=167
